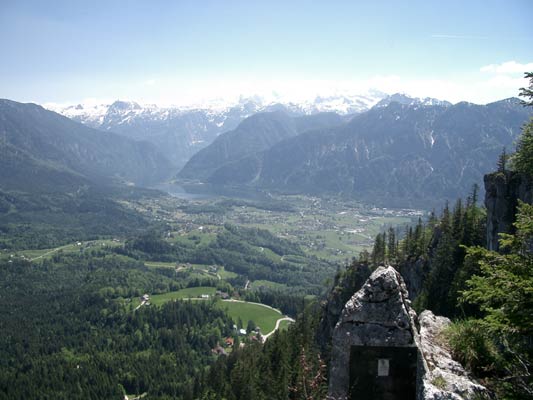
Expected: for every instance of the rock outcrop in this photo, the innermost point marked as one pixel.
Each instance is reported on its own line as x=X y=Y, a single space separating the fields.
x=345 y=285
x=378 y=315
x=502 y=192
x=381 y=350
x=414 y=273
x=444 y=378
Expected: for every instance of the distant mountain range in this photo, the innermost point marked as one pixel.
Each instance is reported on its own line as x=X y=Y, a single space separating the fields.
x=180 y=132
x=403 y=151
x=44 y=151
x=254 y=135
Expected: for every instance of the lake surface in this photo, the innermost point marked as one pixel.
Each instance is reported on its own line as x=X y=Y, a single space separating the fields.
x=181 y=193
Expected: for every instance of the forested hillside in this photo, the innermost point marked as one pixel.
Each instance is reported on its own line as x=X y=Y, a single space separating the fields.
x=448 y=270
x=394 y=154
x=255 y=134
x=69 y=332
x=44 y=151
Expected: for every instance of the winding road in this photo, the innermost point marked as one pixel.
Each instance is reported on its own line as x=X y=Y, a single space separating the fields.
x=265 y=337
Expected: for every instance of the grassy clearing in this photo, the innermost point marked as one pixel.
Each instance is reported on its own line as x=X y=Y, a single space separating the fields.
x=193 y=292
x=226 y=274
x=270 y=254
x=38 y=254
x=196 y=238
x=263 y=316
x=159 y=264
x=284 y=325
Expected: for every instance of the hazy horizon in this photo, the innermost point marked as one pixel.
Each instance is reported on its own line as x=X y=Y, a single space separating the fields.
x=174 y=53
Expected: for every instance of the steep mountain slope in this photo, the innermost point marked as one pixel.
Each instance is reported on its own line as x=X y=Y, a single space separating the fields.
x=402 y=154
x=42 y=150
x=180 y=132
x=254 y=135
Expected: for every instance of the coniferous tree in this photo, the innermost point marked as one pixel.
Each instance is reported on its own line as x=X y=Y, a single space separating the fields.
x=377 y=252
x=391 y=245
x=523 y=158
x=527 y=93
x=502 y=161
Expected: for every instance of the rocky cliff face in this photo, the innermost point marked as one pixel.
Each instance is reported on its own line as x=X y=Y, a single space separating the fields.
x=345 y=285
x=414 y=273
x=502 y=192
x=381 y=350
x=444 y=378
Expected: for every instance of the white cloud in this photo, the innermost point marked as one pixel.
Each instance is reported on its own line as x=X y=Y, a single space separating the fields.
x=505 y=82
x=479 y=85
x=509 y=67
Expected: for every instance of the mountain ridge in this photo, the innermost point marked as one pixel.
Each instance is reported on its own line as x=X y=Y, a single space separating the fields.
x=181 y=131
x=404 y=153
x=36 y=143
x=255 y=134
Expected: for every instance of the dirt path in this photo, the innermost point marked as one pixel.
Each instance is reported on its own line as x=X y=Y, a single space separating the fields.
x=265 y=337
x=140 y=305
x=51 y=251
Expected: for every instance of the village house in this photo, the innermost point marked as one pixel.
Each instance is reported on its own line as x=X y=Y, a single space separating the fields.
x=219 y=351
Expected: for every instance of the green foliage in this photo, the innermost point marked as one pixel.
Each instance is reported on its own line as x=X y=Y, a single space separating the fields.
x=46 y=220
x=527 y=92
x=523 y=158
x=252 y=314
x=69 y=331
x=238 y=249
x=379 y=251
x=473 y=346
x=439 y=382
x=287 y=366
x=503 y=158
x=502 y=288
x=438 y=245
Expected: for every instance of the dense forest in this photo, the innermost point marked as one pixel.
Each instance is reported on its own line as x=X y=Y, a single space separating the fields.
x=69 y=331
x=488 y=295
x=239 y=250
x=72 y=326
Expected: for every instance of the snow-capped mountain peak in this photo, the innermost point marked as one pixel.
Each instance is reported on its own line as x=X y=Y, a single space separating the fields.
x=179 y=132
x=405 y=99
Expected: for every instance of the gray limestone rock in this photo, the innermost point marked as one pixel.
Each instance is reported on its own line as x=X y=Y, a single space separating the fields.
x=502 y=192
x=378 y=315
x=444 y=377
x=378 y=327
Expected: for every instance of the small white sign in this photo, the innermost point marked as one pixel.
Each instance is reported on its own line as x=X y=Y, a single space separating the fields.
x=383 y=367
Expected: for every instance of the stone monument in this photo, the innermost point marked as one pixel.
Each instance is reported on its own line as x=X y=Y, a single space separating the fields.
x=379 y=354
x=374 y=353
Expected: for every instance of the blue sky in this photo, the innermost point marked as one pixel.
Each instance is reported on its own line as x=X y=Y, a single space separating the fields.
x=185 y=51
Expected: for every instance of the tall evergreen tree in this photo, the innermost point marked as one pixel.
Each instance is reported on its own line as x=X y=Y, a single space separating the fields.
x=392 y=245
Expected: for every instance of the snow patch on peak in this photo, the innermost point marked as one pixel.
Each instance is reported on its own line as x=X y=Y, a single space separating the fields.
x=98 y=114
x=407 y=100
